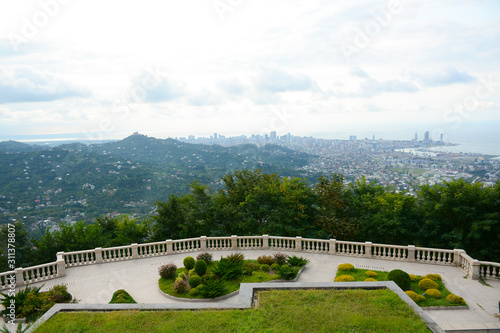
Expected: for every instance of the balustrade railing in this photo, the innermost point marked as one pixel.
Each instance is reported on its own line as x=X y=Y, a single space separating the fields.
x=473 y=268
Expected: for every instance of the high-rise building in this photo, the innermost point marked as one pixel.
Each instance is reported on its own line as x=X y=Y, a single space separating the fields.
x=441 y=137
x=273 y=135
x=352 y=138
x=416 y=136
x=427 y=137
x=215 y=136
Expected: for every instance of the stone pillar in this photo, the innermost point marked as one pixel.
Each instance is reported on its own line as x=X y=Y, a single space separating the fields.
x=203 y=242
x=234 y=242
x=475 y=272
x=98 y=255
x=298 y=244
x=170 y=248
x=368 y=249
x=135 y=252
x=19 y=277
x=456 y=256
x=61 y=264
x=265 y=242
x=411 y=253
x=332 y=244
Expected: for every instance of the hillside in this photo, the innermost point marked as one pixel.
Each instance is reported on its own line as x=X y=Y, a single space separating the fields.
x=127 y=176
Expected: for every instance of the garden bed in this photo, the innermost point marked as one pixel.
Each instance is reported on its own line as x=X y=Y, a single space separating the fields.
x=429 y=303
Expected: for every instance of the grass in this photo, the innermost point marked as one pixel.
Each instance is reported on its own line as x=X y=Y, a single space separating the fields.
x=278 y=311
x=359 y=275
x=167 y=285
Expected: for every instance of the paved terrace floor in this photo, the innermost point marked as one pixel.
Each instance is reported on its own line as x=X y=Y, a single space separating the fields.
x=97 y=283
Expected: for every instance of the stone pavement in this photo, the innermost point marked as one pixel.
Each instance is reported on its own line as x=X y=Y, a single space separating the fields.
x=96 y=283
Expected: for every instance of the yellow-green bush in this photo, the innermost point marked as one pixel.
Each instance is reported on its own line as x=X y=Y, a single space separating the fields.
x=433 y=277
x=433 y=293
x=414 y=278
x=414 y=296
x=346 y=267
x=344 y=278
x=427 y=284
x=370 y=279
x=452 y=298
x=371 y=274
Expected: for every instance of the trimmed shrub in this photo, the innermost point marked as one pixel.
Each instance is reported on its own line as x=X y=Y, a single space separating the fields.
x=414 y=278
x=195 y=291
x=371 y=274
x=280 y=258
x=427 y=284
x=275 y=267
x=401 y=278
x=288 y=273
x=265 y=268
x=297 y=261
x=181 y=286
x=167 y=271
x=344 y=278
x=59 y=294
x=182 y=275
x=265 y=260
x=121 y=296
x=189 y=263
x=200 y=267
x=250 y=267
x=433 y=277
x=433 y=293
x=208 y=275
x=206 y=257
x=194 y=281
x=346 y=267
x=370 y=280
x=414 y=296
x=452 y=298
x=212 y=288
x=226 y=269
x=236 y=257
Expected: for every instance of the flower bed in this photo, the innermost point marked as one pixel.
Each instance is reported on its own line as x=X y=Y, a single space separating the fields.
x=219 y=278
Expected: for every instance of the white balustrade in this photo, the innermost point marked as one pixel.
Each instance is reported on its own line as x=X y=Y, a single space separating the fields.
x=350 y=248
x=78 y=258
x=315 y=245
x=434 y=256
x=391 y=252
x=282 y=243
x=40 y=273
x=473 y=268
x=249 y=242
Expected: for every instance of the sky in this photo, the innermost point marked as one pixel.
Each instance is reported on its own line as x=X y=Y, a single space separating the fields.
x=96 y=70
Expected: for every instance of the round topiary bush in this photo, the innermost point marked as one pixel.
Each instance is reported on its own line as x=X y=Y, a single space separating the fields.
x=452 y=298
x=167 y=271
x=189 y=263
x=344 y=278
x=200 y=267
x=346 y=267
x=182 y=275
x=371 y=274
x=181 y=286
x=433 y=277
x=427 y=284
x=192 y=272
x=370 y=280
x=194 y=281
x=206 y=257
x=401 y=278
x=275 y=267
x=265 y=260
x=414 y=278
x=414 y=296
x=433 y=293
x=195 y=291
x=265 y=268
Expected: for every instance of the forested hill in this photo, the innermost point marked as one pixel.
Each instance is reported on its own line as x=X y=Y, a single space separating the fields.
x=126 y=176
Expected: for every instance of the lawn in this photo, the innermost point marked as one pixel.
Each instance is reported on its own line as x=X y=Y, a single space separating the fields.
x=278 y=311
x=360 y=275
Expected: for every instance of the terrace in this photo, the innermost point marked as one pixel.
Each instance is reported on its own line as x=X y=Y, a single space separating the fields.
x=93 y=275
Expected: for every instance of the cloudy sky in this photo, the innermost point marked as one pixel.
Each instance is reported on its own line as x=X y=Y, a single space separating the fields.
x=104 y=69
